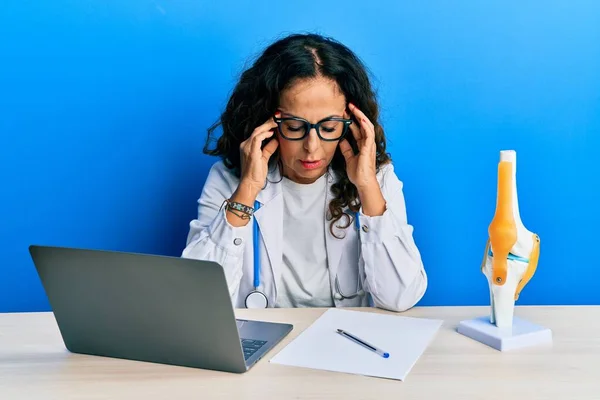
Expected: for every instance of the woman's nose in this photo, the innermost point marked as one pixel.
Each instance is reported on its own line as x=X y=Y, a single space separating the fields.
x=312 y=141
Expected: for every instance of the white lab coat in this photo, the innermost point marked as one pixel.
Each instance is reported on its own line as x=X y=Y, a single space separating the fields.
x=390 y=266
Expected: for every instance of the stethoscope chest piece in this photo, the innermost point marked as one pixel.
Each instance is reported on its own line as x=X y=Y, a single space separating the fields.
x=256 y=299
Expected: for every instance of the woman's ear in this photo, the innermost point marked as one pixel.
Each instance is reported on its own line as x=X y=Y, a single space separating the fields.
x=266 y=141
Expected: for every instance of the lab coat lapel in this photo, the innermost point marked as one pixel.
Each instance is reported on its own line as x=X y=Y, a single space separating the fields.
x=333 y=244
x=270 y=222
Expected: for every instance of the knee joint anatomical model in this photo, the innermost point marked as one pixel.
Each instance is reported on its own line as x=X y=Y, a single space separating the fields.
x=512 y=251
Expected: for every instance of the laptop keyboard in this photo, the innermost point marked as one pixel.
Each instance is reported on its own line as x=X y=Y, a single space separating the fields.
x=251 y=346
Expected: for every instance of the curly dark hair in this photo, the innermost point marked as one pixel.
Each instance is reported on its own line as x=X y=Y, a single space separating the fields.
x=256 y=97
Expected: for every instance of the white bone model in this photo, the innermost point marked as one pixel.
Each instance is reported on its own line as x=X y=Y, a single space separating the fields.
x=512 y=251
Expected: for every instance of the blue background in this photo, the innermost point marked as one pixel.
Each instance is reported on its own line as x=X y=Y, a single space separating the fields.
x=104 y=106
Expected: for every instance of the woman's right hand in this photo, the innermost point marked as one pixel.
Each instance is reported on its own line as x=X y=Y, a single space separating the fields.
x=255 y=166
x=255 y=161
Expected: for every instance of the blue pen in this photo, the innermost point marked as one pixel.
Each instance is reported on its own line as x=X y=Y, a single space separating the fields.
x=363 y=343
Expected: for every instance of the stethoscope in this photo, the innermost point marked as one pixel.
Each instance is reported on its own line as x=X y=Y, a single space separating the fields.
x=257 y=299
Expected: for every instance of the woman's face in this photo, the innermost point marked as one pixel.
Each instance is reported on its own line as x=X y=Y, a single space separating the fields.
x=315 y=99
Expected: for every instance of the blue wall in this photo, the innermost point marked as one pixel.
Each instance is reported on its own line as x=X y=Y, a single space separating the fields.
x=104 y=107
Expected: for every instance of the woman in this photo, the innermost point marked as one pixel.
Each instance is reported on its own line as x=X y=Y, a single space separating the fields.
x=305 y=183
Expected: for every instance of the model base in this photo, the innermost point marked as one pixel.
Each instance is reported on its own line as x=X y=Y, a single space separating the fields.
x=521 y=335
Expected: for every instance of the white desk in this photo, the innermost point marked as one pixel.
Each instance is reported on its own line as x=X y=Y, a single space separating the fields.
x=35 y=364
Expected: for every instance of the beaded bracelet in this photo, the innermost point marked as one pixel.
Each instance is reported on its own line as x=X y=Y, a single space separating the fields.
x=238 y=214
x=233 y=207
x=240 y=207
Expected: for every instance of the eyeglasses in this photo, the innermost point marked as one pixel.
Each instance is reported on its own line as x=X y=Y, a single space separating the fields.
x=329 y=129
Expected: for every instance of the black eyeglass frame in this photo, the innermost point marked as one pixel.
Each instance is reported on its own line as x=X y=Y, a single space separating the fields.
x=308 y=126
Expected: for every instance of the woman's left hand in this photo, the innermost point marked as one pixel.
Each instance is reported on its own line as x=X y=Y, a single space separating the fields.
x=361 y=167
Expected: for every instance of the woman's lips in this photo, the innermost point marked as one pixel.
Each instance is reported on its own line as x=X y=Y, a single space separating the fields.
x=311 y=164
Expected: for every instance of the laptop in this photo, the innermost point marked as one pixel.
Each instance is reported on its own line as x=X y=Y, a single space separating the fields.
x=151 y=308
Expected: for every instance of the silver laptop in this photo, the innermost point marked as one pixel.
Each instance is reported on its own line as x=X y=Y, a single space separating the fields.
x=166 y=310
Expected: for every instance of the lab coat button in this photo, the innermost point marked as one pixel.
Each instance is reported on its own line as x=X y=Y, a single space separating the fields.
x=237 y=241
x=365 y=228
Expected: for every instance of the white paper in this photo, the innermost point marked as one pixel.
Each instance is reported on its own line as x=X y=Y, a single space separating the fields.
x=321 y=347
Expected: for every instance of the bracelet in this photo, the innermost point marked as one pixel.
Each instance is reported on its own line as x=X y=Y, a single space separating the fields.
x=237 y=208
x=232 y=205
x=238 y=214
